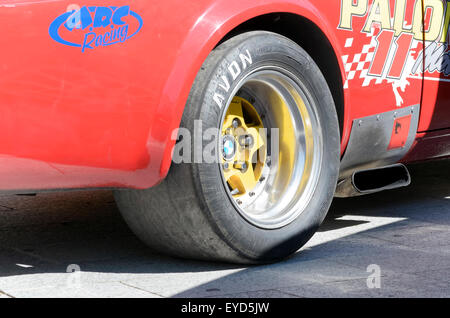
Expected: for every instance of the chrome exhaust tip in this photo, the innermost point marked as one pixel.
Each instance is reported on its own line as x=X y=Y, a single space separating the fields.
x=374 y=180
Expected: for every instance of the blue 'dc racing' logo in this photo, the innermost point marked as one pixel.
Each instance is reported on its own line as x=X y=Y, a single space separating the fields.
x=93 y=27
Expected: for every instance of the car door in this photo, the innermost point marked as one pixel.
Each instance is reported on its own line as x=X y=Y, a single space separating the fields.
x=434 y=65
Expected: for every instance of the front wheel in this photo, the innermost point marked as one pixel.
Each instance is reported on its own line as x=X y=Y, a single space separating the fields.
x=276 y=159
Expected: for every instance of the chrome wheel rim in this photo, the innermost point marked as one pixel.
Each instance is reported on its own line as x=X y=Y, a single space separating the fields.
x=271 y=147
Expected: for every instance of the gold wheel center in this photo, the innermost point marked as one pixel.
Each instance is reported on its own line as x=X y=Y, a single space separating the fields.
x=244 y=148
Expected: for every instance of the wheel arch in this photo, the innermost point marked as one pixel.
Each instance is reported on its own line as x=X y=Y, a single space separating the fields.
x=319 y=41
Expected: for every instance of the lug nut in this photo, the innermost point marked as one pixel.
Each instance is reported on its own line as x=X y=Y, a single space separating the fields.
x=236 y=123
x=240 y=165
x=246 y=141
x=251 y=194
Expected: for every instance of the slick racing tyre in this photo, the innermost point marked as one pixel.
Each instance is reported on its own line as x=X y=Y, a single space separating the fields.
x=277 y=158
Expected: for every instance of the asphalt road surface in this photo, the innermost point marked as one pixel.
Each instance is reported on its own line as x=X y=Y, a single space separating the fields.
x=75 y=244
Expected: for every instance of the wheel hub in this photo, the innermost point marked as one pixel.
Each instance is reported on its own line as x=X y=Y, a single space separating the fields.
x=244 y=151
x=229 y=147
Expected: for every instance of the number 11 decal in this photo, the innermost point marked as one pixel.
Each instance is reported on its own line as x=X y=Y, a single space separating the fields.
x=402 y=46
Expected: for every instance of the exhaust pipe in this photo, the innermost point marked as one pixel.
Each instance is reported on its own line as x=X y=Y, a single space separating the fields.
x=374 y=180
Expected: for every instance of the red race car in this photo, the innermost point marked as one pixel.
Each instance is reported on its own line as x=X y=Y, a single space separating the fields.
x=225 y=127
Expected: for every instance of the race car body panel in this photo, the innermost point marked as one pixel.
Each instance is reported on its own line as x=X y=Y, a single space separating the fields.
x=436 y=67
x=91 y=94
